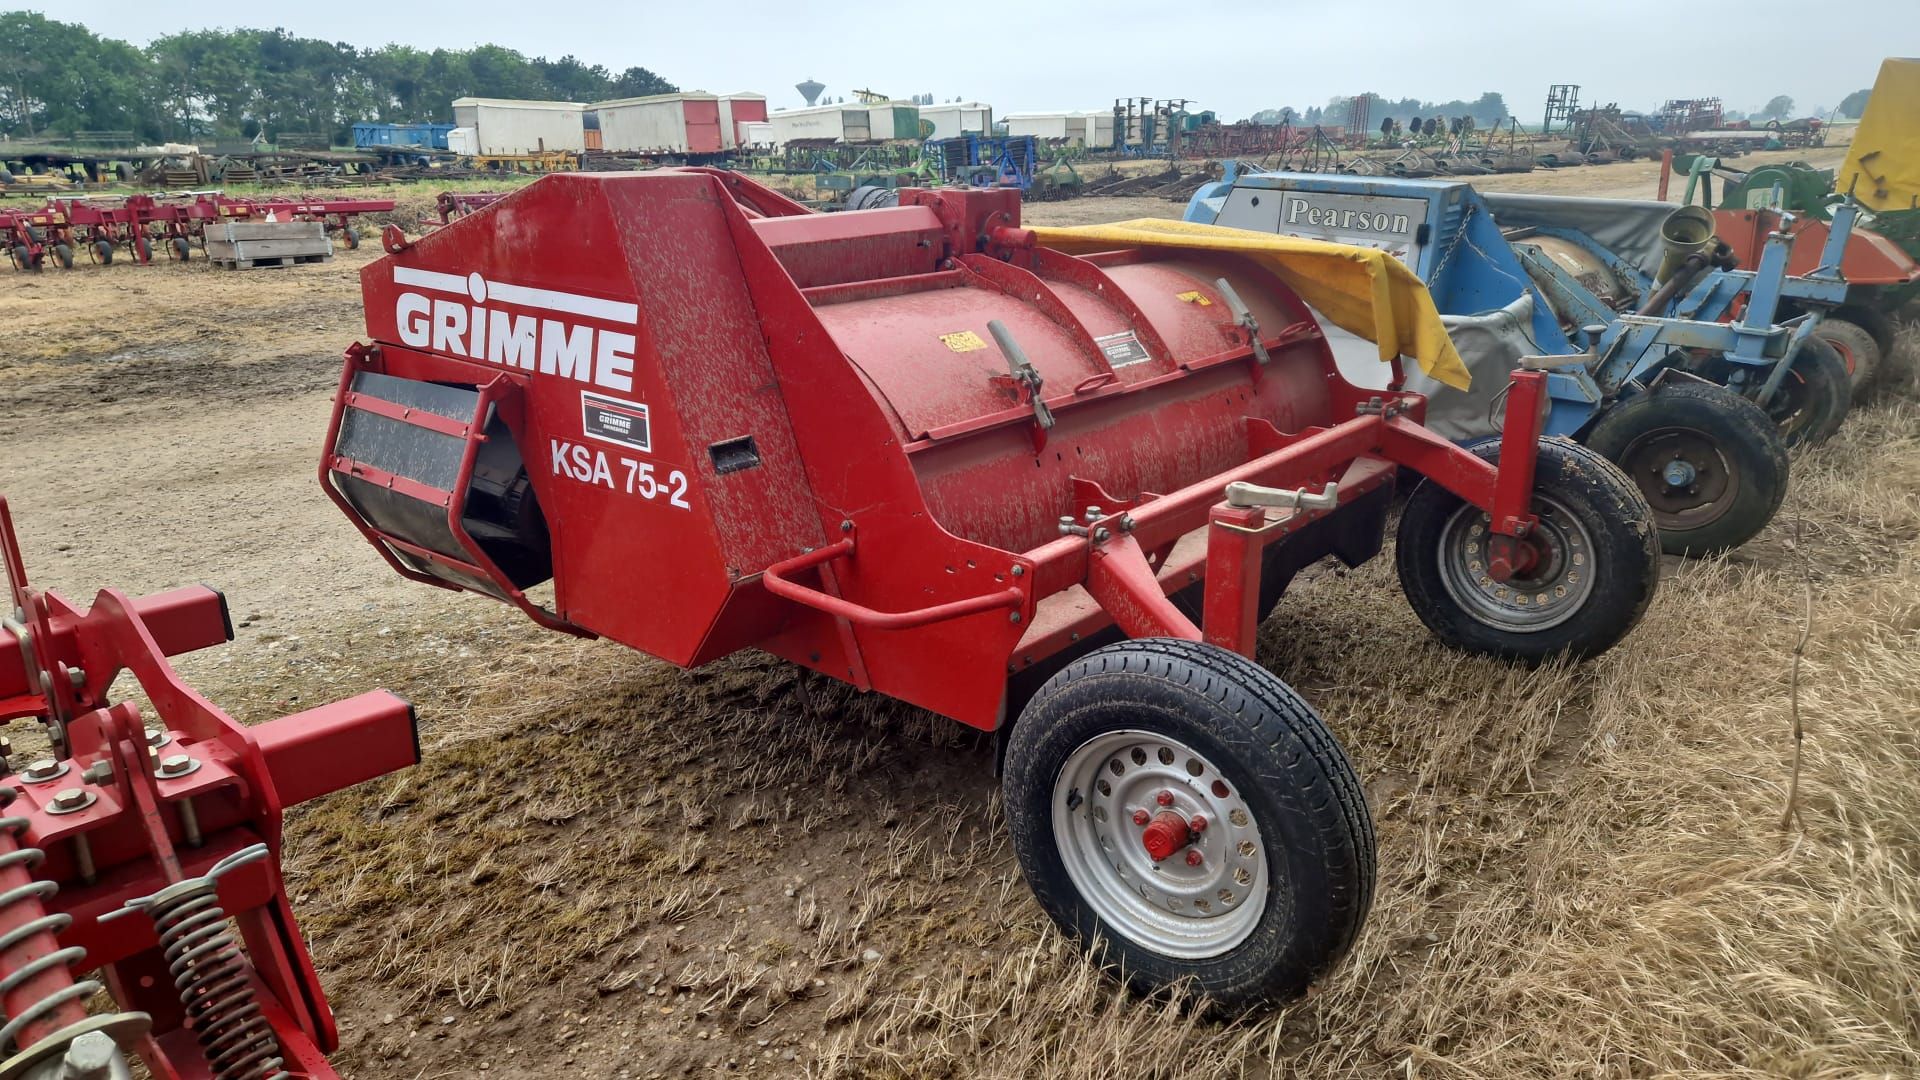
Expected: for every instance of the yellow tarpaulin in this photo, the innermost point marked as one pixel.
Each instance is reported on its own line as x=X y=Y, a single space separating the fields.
x=1883 y=164
x=1364 y=291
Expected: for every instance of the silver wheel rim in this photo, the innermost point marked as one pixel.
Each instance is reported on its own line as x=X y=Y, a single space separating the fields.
x=1552 y=594
x=1191 y=912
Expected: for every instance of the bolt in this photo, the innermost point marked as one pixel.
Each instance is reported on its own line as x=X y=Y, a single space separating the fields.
x=70 y=799
x=158 y=737
x=78 y=677
x=1193 y=857
x=177 y=765
x=1013 y=617
x=1101 y=535
x=1165 y=798
x=846 y=526
x=1141 y=817
x=99 y=772
x=1093 y=514
x=1198 y=824
x=89 y=1057
x=44 y=769
x=1018 y=571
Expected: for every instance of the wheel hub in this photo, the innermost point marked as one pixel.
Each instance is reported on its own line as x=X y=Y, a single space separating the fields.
x=1159 y=844
x=1686 y=478
x=1526 y=584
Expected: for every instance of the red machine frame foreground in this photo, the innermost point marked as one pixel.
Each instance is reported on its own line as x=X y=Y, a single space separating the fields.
x=157 y=818
x=840 y=542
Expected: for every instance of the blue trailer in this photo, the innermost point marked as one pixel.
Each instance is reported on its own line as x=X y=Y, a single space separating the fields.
x=369 y=136
x=1657 y=352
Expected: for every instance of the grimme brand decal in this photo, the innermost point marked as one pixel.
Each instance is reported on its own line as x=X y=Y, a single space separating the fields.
x=623 y=423
x=582 y=351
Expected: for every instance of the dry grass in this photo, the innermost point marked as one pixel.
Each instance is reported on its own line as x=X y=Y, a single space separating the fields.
x=1583 y=869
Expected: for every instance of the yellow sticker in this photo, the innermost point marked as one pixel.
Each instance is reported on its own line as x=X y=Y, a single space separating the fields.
x=964 y=341
x=1194 y=297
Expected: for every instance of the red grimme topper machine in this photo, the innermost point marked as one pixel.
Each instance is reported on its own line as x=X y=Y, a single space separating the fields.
x=924 y=450
x=145 y=843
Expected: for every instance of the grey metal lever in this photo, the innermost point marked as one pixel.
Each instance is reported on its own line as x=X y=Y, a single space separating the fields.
x=1243 y=315
x=1241 y=495
x=1022 y=370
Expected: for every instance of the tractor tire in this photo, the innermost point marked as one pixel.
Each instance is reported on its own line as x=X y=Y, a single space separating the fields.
x=102 y=252
x=143 y=249
x=1598 y=555
x=22 y=256
x=1712 y=464
x=1255 y=905
x=1858 y=350
x=178 y=248
x=1813 y=399
x=350 y=236
x=63 y=254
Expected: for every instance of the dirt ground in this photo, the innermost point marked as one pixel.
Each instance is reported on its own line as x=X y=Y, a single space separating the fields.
x=606 y=867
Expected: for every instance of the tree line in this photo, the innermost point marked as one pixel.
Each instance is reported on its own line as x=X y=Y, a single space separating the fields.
x=60 y=78
x=1488 y=110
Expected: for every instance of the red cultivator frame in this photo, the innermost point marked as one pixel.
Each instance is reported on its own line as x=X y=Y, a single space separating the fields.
x=916 y=450
x=140 y=225
x=129 y=844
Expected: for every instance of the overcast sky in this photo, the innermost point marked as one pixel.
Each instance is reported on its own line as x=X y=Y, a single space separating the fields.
x=1232 y=56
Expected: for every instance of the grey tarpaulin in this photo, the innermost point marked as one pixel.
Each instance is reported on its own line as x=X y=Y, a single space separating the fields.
x=1630 y=228
x=1492 y=345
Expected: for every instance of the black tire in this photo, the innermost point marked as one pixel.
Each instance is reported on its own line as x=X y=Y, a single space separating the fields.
x=143 y=248
x=351 y=236
x=103 y=252
x=1592 y=597
x=1263 y=746
x=22 y=257
x=1729 y=463
x=1859 y=350
x=1812 y=401
x=178 y=248
x=63 y=254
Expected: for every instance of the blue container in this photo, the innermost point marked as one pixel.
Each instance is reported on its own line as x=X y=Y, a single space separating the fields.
x=368 y=136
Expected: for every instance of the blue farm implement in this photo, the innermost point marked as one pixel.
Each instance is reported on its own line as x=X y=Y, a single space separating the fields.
x=1658 y=351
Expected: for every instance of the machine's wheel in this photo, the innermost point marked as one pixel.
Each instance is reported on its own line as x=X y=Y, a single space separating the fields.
x=1858 y=349
x=178 y=248
x=102 y=252
x=63 y=254
x=1113 y=765
x=1711 y=463
x=144 y=248
x=350 y=236
x=1814 y=397
x=22 y=256
x=1595 y=557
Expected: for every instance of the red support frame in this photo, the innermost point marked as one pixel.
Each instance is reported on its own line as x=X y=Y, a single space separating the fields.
x=141 y=825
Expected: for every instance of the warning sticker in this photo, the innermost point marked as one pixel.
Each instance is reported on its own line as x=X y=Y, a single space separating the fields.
x=1194 y=296
x=1122 y=349
x=963 y=341
x=623 y=423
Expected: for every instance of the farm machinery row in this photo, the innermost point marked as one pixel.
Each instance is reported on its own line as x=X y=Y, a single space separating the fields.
x=1660 y=351
x=1045 y=482
x=138 y=227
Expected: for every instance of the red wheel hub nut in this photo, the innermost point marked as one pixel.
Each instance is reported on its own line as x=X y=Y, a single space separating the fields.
x=1198 y=824
x=1166 y=834
x=1193 y=857
x=1165 y=798
x=1141 y=817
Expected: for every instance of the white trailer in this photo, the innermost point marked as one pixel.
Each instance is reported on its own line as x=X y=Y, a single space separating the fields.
x=756 y=133
x=1099 y=129
x=736 y=112
x=1046 y=125
x=505 y=127
x=662 y=124
x=958 y=118
x=834 y=123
